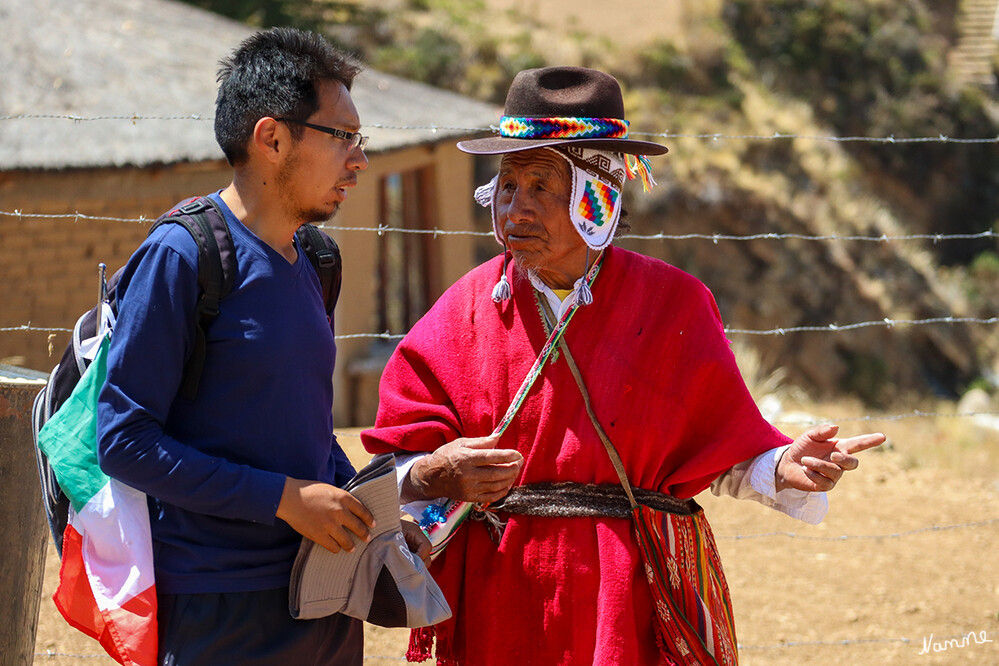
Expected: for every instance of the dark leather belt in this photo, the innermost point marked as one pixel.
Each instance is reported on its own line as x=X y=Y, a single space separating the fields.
x=568 y=499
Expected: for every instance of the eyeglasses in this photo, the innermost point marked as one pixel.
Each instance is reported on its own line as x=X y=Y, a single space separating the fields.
x=353 y=138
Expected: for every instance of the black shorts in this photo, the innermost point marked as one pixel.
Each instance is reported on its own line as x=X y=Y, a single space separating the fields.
x=252 y=629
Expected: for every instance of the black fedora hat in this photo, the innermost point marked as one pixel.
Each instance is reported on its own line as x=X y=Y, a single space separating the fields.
x=553 y=106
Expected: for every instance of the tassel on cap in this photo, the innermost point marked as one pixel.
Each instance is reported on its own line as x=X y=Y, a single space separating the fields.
x=583 y=294
x=502 y=291
x=638 y=167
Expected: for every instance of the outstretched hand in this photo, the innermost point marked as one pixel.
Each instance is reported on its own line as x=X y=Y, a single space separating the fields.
x=469 y=468
x=816 y=460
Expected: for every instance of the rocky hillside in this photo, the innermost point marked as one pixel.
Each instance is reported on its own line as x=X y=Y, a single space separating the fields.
x=755 y=68
x=872 y=71
x=809 y=188
x=860 y=69
x=819 y=70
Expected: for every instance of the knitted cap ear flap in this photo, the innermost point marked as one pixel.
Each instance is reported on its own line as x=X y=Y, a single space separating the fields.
x=484 y=193
x=597 y=179
x=485 y=196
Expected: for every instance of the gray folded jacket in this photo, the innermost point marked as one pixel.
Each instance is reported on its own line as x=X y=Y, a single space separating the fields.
x=381 y=582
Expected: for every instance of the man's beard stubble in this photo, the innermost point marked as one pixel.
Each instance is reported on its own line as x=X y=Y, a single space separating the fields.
x=521 y=270
x=299 y=214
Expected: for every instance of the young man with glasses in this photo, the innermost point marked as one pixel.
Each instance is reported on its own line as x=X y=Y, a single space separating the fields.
x=236 y=476
x=355 y=139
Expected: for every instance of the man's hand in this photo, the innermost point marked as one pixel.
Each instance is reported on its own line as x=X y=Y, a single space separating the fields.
x=326 y=514
x=416 y=540
x=817 y=459
x=470 y=469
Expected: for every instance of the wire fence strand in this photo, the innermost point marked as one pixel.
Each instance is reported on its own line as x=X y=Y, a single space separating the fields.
x=855 y=537
x=784 y=330
x=383 y=229
x=890 y=139
x=959 y=640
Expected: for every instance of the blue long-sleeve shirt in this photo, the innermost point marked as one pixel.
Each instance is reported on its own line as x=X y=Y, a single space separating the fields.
x=214 y=467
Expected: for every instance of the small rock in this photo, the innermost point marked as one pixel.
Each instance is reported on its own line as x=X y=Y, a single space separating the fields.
x=975 y=400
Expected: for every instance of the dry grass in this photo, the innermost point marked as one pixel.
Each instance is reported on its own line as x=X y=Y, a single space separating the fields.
x=967 y=446
x=803 y=594
x=931 y=436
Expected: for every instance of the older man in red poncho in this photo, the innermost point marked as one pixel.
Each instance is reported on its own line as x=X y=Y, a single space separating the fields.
x=643 y=363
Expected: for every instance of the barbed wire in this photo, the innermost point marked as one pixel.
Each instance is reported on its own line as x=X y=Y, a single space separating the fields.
x=39 y=329
x=135 y=117
x=75 y=216
x=890 y=139
x=914 y=414
x=943 y=640
x=376 y=336
x=855 y=641
x=884 y=238
x=665 y=134
x=855 y=537
x=886 y=322
x=784 y=330
x=796 y=419
x=964 y=640
x=382 y=229
x=50 y=654
x=862 y=641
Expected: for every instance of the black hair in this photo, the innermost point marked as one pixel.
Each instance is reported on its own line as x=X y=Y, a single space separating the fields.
x=623 y=225
x=276 y=73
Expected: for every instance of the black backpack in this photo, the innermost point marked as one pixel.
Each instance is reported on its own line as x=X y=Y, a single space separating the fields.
x=216 y=275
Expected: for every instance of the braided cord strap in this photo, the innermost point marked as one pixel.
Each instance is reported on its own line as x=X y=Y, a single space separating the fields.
x=514 y=127
x=545 y=354
x=692 y=600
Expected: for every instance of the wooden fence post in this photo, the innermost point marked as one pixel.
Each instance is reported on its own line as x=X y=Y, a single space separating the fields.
x=22 y=522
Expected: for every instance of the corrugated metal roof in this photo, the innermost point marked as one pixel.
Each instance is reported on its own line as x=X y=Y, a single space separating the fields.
x=159 y=59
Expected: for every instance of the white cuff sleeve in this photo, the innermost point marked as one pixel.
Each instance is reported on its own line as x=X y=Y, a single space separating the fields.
x=754 y=479
x=403 y=463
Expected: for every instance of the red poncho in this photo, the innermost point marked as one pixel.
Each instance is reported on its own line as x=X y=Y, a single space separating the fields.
x=664 y=385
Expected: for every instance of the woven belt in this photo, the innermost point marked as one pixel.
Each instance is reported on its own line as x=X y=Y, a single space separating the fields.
x=567 y=499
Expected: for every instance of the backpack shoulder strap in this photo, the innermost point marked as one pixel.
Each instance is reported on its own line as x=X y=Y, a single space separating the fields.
x=324 y=255
x=216 y=274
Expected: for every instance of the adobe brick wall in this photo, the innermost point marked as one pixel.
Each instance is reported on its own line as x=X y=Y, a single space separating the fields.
x=48 y=267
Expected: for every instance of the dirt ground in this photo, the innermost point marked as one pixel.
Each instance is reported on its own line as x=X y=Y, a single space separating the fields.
x=902 y=571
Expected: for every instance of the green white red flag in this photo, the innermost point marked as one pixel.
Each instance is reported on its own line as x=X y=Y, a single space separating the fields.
x=106 y=585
